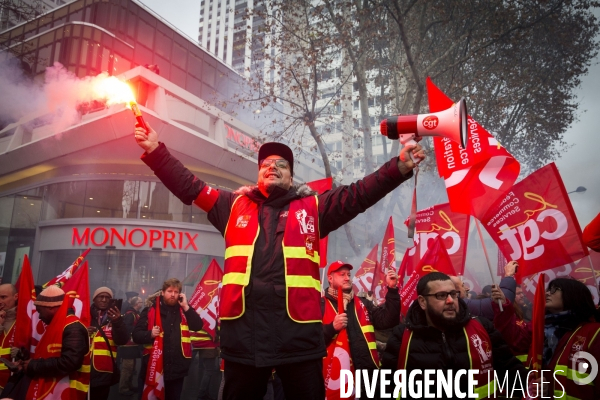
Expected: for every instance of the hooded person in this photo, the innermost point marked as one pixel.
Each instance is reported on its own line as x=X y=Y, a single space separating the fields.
x=270 y=306
x=440 y=334
x=60 y=364
x=107 y=331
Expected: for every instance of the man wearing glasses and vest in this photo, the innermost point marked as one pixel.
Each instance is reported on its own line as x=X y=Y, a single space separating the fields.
x=439 y=333
x=360 y=316
x=270 y=301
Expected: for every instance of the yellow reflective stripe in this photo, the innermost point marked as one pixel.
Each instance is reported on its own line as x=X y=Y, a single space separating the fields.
x=101 y=352
x=85 y=368
x=301 y=281
x=368 y=328
x=237 y=251
x=482 y=391
x=78 y=386
x=236 y=278
x=4 y=351
x=372 y=345
x=3 y=367
x=522 y=357
x=300 y=252
x=572 y=374
x=186 y=339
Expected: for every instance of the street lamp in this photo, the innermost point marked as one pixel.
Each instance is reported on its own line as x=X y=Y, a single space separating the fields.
x=580 y=189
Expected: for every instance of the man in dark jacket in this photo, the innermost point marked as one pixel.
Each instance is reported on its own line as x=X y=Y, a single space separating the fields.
x=270 y=311
x=130 y=352
x=439 y=333
x=107 y=331
x=178 y=319
x=360 y=317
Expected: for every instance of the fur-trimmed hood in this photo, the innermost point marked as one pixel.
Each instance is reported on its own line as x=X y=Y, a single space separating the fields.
x=301 y=190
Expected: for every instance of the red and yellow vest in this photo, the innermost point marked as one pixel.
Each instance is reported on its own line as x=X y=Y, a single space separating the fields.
x=362 y=316
x=202 y=340
x=186 y=340
x=300 y=253
x=479 y=345
x=101 y=352
x=580 y=340
x=6 y=342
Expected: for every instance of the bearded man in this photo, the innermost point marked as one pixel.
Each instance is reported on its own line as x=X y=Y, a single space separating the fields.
x=439 y=333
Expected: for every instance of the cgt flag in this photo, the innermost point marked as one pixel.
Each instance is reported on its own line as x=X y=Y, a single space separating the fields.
x=436 y=259
x=205 y=299
x=363 y=278
x=388 y=260
x=477 y=176
x=453 y=228
x=320 y=186
x=27 y=317
x=67 y=273
x=77 y=290
x=534 y=224
x=154 y=385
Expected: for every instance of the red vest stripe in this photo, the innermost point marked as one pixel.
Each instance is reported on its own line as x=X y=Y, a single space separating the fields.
x=580 y=340
x=186 y=339
x=101 y=353
x=6 y=342
x=364 y=322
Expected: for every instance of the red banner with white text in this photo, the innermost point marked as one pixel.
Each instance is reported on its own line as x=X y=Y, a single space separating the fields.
x=453 y=228
x=205 y=299
x=387 y=260
x=475 y=176
x=534 y=224
x=363 y=278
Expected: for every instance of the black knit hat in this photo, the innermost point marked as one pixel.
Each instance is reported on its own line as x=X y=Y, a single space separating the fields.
x=276 y=149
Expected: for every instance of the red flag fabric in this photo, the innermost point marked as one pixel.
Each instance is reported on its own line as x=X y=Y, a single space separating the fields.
x=436 y=259
x=363 y=278
x=588 y=273
x=477 y=176
x=387 y=260
x=25 y=308
x=534 y=359
x=67 y=273
x=50 y=346
x=337 y=359
x=452 y=226
x=154 y=385
x=77 y=290
x=205 y=299
x=534 y=224
x=501 y=263
x=320 y=186
x=469 y=280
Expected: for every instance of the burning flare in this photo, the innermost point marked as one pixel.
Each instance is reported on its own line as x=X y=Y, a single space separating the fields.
x=115 y=91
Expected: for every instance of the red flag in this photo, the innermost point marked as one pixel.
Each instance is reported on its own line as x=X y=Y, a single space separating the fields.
x=471 y=282
x=436 y=259
x=67 y=273
x=534 y=359
x=321 y=186
x=154 y=385
x=534 y=224
x=584 y=273
x=77 y=290
x=205 y=299
x=477 y=176
x=363 y=278
x=25 y=308
x=337 y=359
x=388 y=259
x=50 y=346
x=452 y=226
x=501 y=263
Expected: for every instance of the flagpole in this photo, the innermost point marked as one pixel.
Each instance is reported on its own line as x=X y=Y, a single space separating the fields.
x=487 y=258
x=594 y=274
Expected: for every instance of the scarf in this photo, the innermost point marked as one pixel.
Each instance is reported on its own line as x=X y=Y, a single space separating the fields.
x=347 y=296
x=555 y=327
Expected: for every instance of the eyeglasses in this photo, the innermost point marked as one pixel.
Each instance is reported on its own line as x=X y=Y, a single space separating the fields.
x=553 y=289
x=279 y=163
x=444 y=295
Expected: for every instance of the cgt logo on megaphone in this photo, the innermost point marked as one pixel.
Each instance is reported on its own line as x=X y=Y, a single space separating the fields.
x=580 y=363
x=430 y=122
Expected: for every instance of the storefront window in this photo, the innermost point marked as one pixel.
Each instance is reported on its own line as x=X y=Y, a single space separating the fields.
x=64 y=200
x=157 y=202
x=111 y=199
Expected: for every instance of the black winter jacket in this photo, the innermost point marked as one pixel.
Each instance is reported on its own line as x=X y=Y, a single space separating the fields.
x=431 y=348
x=175 y=364
x=75 y=345
x=130 y=317
x=265 y=336
x=384 y=316
x=119 y=336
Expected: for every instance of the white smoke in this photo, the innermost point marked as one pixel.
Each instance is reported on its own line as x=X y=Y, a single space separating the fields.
x=56 y=101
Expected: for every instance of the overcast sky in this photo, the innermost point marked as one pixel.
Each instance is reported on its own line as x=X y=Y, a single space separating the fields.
x=579 y=165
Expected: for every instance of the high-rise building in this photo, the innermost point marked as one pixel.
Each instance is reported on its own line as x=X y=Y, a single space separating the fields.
x=14 y=12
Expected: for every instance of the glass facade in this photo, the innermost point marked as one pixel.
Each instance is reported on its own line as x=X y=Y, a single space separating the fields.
x=115 y=199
